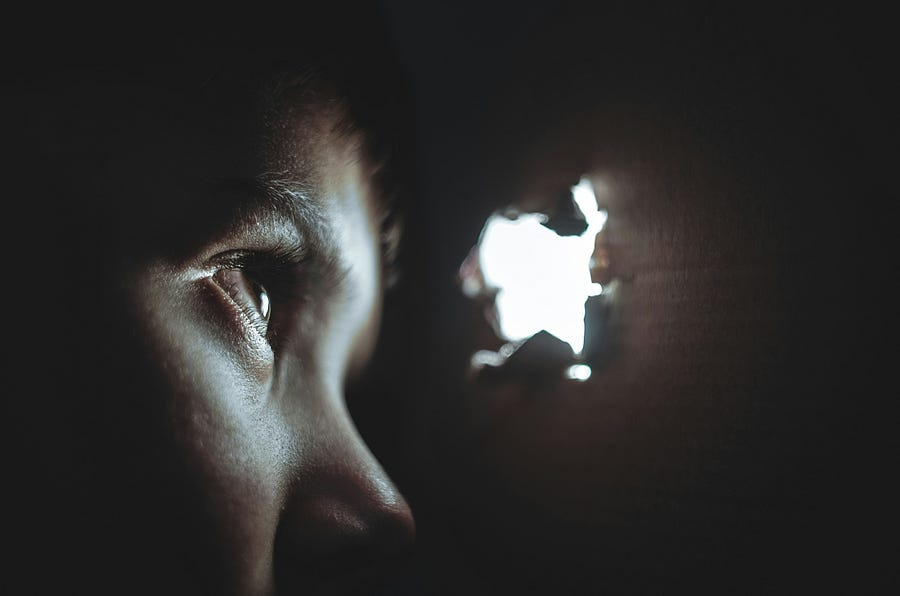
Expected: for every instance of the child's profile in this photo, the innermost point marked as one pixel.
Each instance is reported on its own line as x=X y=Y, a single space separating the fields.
x=233 y=214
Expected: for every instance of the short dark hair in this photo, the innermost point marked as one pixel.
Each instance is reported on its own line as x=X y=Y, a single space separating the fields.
x=68 y=88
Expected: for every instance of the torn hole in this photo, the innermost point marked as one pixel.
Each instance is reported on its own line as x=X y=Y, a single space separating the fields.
x=536 y=273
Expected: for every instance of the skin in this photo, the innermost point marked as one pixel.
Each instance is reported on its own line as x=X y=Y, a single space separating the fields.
x=215 y=450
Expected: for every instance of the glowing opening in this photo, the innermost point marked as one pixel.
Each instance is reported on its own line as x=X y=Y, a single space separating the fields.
x=541 y=279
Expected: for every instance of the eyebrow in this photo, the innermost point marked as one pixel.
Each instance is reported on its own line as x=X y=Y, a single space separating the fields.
x=285 y=199
x=273 y=202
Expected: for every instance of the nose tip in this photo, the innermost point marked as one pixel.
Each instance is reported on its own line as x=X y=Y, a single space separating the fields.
x=343 y=518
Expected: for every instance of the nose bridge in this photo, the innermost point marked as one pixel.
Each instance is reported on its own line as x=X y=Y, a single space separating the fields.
x=341 y=510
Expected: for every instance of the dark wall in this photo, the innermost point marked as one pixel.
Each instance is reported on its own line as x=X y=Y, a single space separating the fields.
x=729 y=446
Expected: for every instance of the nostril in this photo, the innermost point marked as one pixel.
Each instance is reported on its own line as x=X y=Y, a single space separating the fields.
x=354 y=525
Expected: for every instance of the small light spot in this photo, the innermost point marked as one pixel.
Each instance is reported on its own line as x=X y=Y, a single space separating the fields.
x=578 y=372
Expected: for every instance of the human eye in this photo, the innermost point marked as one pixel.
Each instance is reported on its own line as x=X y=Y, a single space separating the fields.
x=257 y=284
x=248 y=296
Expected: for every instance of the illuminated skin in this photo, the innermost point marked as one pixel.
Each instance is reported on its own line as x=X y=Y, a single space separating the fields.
x=237 y=468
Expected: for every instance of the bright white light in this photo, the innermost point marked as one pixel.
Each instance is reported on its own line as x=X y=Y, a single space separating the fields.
x=578 y=372
x=542 y=279
x=486 y=358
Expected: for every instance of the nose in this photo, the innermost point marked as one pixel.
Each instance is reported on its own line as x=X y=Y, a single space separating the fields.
x=343 y=518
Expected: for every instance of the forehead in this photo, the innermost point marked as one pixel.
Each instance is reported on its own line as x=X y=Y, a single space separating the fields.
x=177 y=156
x=219 y=124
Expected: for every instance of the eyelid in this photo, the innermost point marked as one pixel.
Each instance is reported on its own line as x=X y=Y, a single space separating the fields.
x=279 y=254
x=254 y=231
x=279 y=269
x=281 y=250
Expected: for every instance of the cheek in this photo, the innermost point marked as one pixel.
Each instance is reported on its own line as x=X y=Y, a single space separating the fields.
x=228 y=444
x=216 y=371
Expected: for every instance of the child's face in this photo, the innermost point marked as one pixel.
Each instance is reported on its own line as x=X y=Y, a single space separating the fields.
x=250 y=293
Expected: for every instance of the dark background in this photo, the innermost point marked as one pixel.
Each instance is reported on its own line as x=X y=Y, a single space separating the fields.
x=770 y=481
